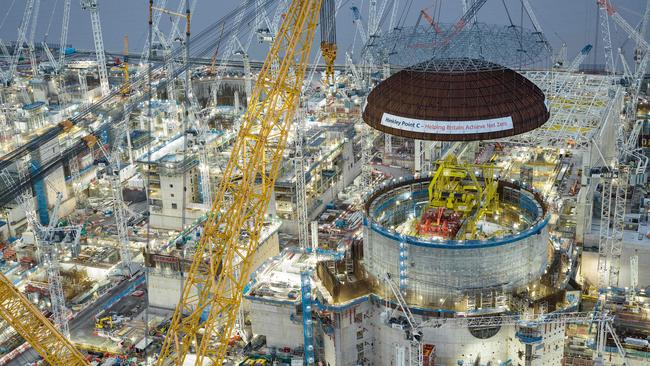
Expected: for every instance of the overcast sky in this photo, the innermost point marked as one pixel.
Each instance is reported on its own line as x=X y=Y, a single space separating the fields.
x=573 y=21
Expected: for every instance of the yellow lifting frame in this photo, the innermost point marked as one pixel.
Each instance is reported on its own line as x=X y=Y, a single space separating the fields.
x=448 y=188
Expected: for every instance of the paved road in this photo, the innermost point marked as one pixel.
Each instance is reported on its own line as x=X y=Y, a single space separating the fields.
x=83 y=324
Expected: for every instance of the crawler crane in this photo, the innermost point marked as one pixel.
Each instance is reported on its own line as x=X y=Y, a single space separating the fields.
x=232 y=230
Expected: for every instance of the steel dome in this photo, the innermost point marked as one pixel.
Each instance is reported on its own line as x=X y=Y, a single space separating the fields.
x=456 y=100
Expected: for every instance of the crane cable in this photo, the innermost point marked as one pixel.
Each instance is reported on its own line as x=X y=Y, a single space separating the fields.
x=49 y=24
x=7 y=13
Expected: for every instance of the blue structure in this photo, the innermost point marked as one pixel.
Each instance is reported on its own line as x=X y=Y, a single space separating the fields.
x=403 y=256
x=307 y=323
x=41 y=198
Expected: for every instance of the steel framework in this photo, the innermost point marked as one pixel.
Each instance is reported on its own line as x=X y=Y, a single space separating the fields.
x=577 y=114
x=92 y=7
x=510 y=46
x=64 y=32
x=301 y=193
x=232 y=231
x=22 y=38
x=37 y=330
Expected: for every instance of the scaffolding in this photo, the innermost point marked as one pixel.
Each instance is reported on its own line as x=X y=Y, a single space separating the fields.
x=576 y=114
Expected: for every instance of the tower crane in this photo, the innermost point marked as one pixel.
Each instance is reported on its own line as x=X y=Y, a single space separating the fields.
x=64 y=32
x=533 y=19
x=616 y=181
x=634 y=276
x=4 y=50
x=301 y=193
x=356 y=19
x=30 y=44
x=415 y=334
x=638 y=51
x=232 y=231
x=119 y=208
x=159 y=4
x=126 y=89
x=92 y=7
x=50 y=57
x=43 y=238
x=328 y=37
x=22 y=39
x=229 y=50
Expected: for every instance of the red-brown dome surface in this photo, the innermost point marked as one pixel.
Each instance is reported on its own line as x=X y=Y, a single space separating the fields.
x=456 y=100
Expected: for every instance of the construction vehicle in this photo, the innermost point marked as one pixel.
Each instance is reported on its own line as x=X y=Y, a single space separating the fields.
x=105 y=322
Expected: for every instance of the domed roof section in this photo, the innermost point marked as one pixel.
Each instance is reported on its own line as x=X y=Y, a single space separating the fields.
x=456 y=100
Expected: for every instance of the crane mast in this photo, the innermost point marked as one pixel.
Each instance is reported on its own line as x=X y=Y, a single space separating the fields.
x=639 y=53
x=46 y=251
x=30 y=44
x=615 y=183
x=35 y=328
x=328 y=37
x=119 y=212
x=92 y=7
x=301 y=193
x=22 y=38
x=224 y=250
x=64 y=31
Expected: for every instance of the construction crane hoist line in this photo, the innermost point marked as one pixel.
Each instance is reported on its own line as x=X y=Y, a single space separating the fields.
x=220 y=271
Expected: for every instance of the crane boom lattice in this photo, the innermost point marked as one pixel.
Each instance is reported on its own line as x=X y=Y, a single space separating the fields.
x=232 y=231
x=35 y=328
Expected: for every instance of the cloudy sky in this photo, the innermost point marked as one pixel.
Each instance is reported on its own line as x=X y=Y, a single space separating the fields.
x=570 y=21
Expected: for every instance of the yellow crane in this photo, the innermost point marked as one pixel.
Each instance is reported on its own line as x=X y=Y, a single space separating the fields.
x=35 y=328
x=221 y=268
x=222 y=265
x=126 y=88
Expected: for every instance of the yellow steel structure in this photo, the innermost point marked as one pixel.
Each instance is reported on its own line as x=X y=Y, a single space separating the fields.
x=35 y=328
x=126 y=87
x=222 y=265
x=456 y=186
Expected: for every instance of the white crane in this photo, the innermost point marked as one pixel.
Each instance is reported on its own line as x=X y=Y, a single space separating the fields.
x=83 y=86
x=638 y=51
x=44 y=240
x=4 y=50
x=112 y=172
x=533 y=19
x=356 y=19
x=301 y=193
x=415 y=332
x=50 y=57
x=393 y=15
x=30 y=44
x=607 y=37
x=22 y=39
x=64 y=32
x=634 y=275
x=92 y=7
